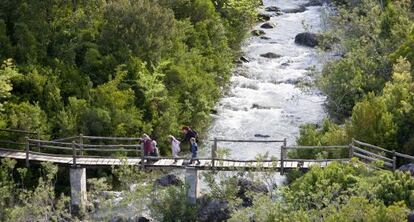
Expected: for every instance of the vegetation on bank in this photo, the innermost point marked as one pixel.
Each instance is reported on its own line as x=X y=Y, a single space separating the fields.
x=85 y=67
x=116 y=68
x=339 y=192
x=370 y=88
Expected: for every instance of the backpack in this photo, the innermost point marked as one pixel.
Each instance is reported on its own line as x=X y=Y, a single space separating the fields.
x=195 y=133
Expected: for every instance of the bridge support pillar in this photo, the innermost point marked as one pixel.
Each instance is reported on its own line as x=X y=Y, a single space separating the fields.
x=191 y=179
x=78 y=190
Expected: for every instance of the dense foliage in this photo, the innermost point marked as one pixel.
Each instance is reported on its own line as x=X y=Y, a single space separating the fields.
x=339 y=192
x=39 y=202
x=370 y=88
x=116 y=67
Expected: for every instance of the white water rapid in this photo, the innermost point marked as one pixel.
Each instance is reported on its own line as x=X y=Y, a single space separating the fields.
x=263 y=98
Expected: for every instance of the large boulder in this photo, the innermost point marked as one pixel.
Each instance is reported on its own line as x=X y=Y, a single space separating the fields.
x=272 y=9
x=214 y=210
x=248 y=185
x=270 y=55
x=308 y=39
x=168 y=180
x=268 y=25
x=258 y=32
x=298 y=9
x=408 y=168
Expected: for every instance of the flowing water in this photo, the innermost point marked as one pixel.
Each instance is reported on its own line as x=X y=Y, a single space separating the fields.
x=263 y=98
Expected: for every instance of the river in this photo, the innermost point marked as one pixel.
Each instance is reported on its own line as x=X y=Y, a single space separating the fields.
x=263 y=97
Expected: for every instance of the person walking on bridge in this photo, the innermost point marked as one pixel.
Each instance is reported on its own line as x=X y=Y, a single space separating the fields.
x=194 y=149
x=175 y=147
x=147 y=145
x=188 y=134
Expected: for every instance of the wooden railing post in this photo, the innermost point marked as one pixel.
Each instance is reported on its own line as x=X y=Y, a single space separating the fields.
x=38 y=143
x=74 y=153
x=27 y=152
x=142 y=157
x=81 y=144
x=213 y=153
x=351 y=149
x=394 y=161
x=282 y=157
x=138 y=149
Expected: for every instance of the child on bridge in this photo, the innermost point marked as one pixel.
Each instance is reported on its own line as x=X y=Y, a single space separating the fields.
x=175 y=147
x=194 y=149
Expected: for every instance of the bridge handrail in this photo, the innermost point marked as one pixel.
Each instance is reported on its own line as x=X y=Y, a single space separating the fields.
x=112 y=138
x=66 y=139
x=247 y=141
x=35 y=141
x=316 y=147
x=372 y=154
x=404 y=156
x=11 y=142
x=108 y=150
x=373 y=159
x=109 y=145
x=316 y=160
x=372 y=146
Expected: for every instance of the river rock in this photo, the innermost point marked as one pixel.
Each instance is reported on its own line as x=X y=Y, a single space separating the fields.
x=261 y=135
x=265 y=37
x=244 y=59
x=272 y=9
x=408 y=168
x=268 y=25
x=307 y=39
x=121 y=218
x=214 y=210
x=258 y=32
x=257 y=106
x=271 y=55
x=248 y=185
x=263 y=17
x=298 y=9
x=168 y=180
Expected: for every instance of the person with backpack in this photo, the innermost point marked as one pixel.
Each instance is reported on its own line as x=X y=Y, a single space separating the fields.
x=194 y=149
x=188 y=134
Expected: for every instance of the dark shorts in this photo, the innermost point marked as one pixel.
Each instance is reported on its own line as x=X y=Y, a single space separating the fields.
x=194 y=154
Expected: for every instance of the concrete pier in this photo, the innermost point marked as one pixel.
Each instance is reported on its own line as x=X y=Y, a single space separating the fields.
x=78 y=189
x=191 y=179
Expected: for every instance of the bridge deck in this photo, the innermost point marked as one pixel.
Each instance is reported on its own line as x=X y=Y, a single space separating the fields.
x=163 y=163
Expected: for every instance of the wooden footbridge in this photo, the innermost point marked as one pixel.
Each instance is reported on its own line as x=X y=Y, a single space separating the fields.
x=95 y=151
x=81 y=152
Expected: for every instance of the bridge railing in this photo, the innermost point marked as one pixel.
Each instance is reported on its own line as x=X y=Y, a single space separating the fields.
x=216 y=141
x=78 y=148
x=370 y=154
x=332 y=149
x=15 y=138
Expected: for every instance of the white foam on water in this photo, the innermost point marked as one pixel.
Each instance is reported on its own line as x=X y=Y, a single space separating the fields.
x=261 y=100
